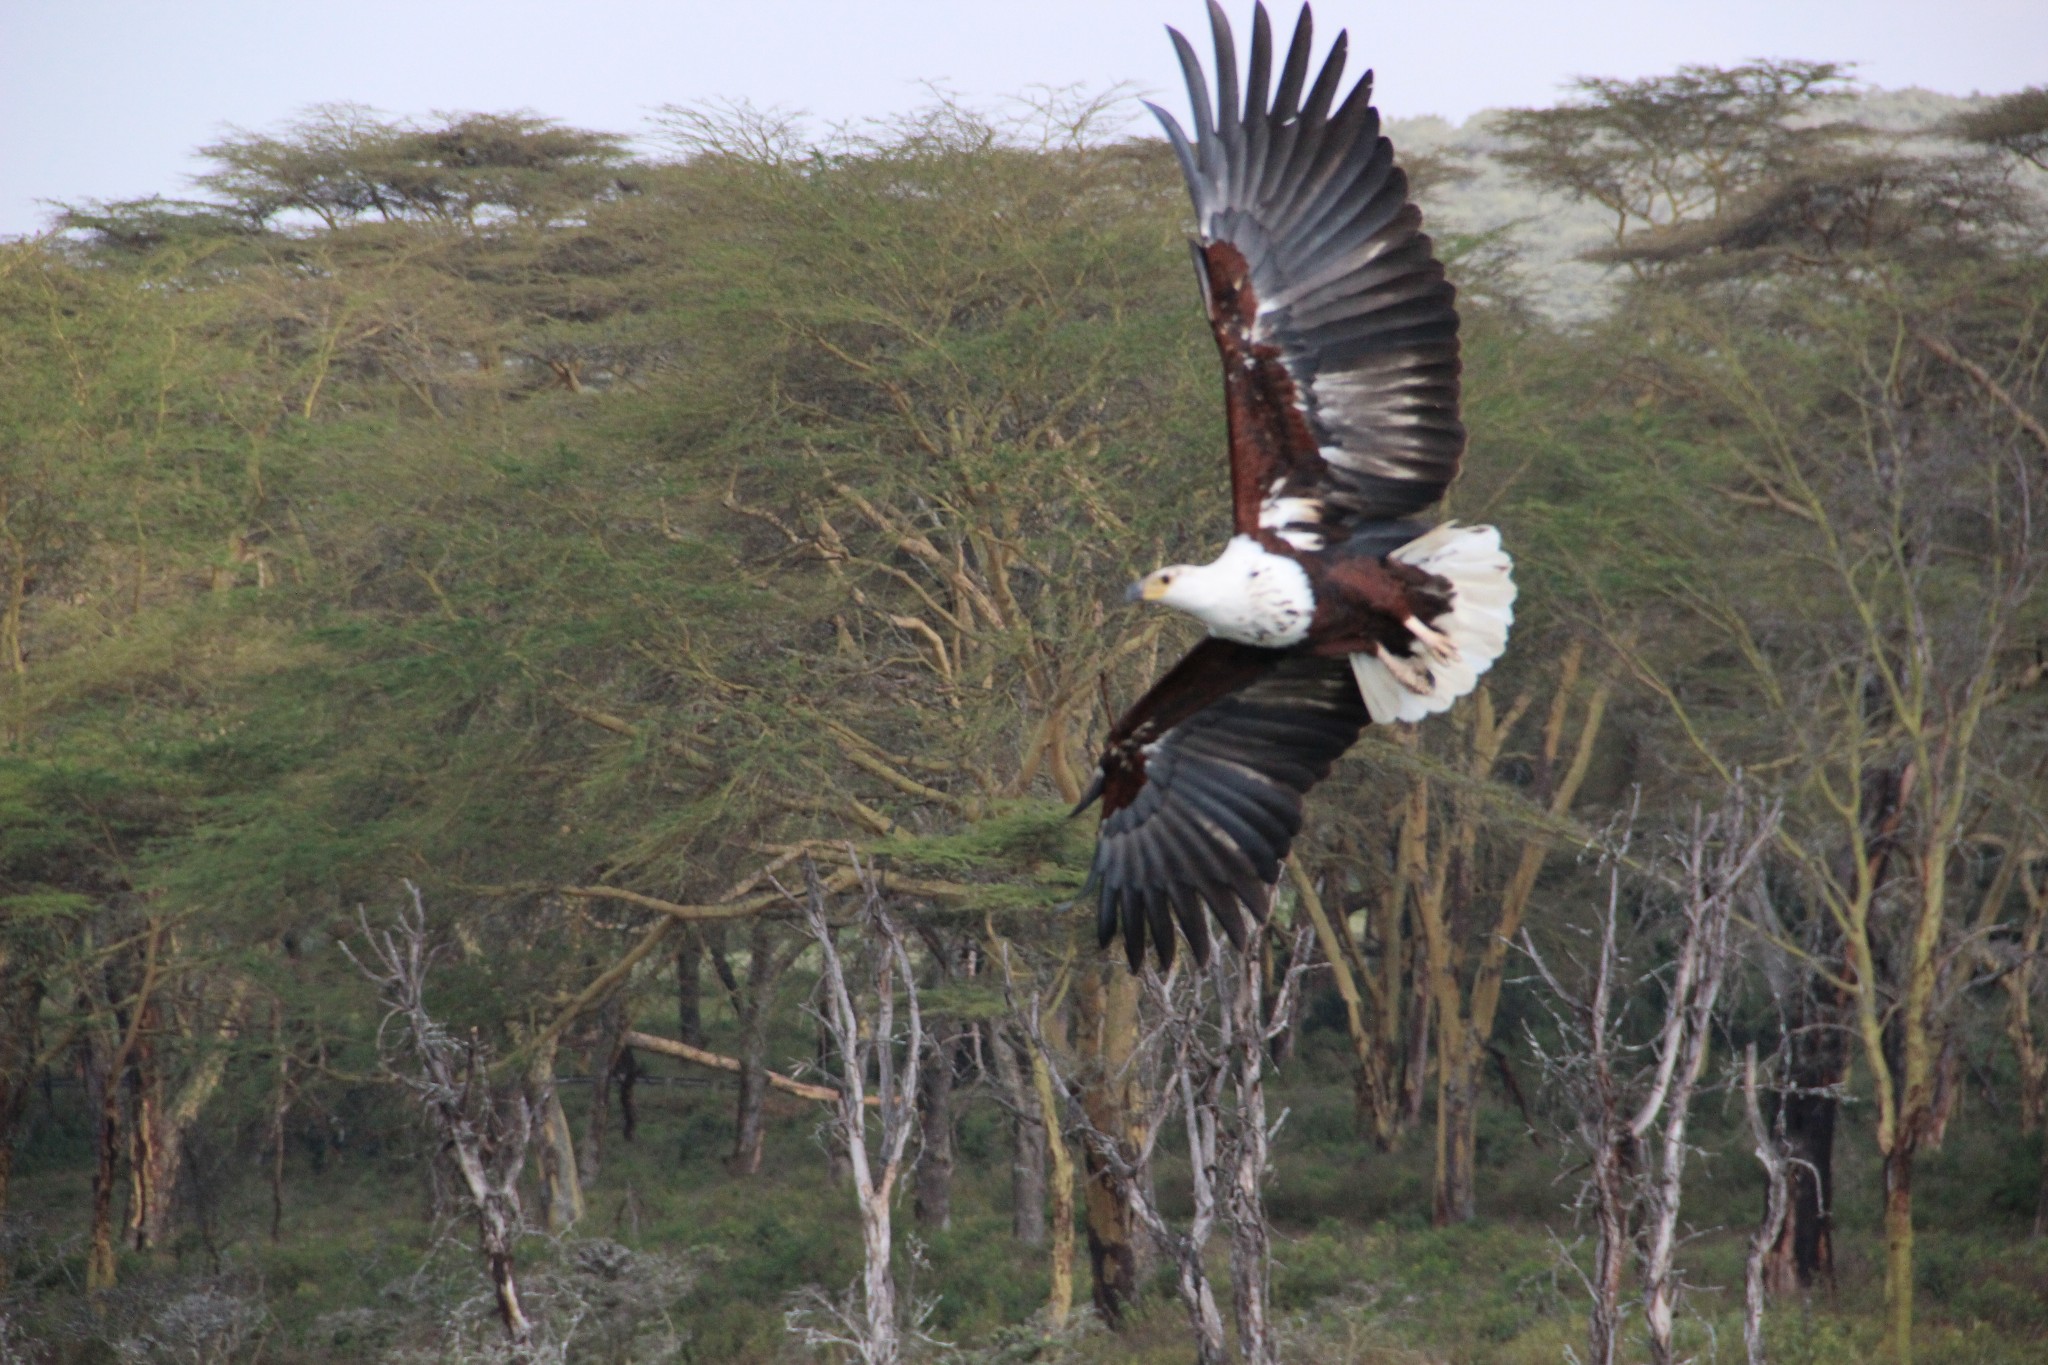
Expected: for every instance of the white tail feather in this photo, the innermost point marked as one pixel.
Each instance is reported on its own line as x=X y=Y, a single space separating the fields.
x=1482 y=582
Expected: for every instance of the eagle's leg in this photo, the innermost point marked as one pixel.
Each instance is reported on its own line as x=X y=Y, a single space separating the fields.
x=1441 y=647
x=1407 y=672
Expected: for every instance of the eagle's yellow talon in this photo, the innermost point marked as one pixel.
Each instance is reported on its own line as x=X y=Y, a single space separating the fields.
x=1407 y=672
x=1440 y=646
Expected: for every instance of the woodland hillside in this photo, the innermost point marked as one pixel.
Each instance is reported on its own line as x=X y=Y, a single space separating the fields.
x=517 y=647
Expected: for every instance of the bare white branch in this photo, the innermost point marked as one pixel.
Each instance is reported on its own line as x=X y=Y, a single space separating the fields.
x=484 y=1128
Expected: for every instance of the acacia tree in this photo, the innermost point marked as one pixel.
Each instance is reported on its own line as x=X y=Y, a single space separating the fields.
x=953 y=395
x=2016 y=124
x=205 y=1012
x=102 y=366
x=1386 y=998
x=340 y=162
x=1664 y=150
x=1895 y=686
x=1466 y=970
x=1781 y=300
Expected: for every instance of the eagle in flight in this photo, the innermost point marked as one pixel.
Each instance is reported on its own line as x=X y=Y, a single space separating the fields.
x=1329 y=606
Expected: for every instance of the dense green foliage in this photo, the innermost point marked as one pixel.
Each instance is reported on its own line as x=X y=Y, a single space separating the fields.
x=477 y=505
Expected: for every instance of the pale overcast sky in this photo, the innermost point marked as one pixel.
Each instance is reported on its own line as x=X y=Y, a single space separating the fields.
x=107 y=98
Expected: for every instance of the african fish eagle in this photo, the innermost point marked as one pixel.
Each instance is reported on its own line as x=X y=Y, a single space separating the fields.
x=1329 y=606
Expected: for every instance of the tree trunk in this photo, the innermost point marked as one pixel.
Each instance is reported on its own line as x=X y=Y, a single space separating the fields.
x=747 y=1118
x=1244 y=1201
x=163 y=1123
x=152 y=1151
x=21 y=1000
x=1804 y=1253
x=1283 y=1020
x=932 y=1183
x=1199 y=1088
x=627 y=1073
x=753 y=1006
x=878 y=1283
x=604 y=1070
x=158 y=1144
x=1769 y=1151
x=1043 y=1106
x=561 y=1192
x=1105 y=1032
x=1898 y=1250
x=838 y=1161
x=10 y=621
x=103 y=1093
x=1610 y=1243
x=1028 y=1154
x=2040 y=1192
x=1060 y=1298
x=496 y=1234
x=590 y=1152
x=2019 y=980
x=1457 y=1138
x=6 y=1179
x=1112 y=1261
x=860 y=1039
x=280 y=1108
x=106 y=1052
x=1371 y=1021
x=690 y=988
x=1415 y=1069
x=1211 y=1347
x=1028 y=1187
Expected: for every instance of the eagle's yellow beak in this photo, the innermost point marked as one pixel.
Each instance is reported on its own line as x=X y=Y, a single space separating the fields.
x=1151 y=587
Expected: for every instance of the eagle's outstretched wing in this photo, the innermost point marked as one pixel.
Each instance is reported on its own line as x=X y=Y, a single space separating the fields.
x=1201 y=787
x=1337 y=327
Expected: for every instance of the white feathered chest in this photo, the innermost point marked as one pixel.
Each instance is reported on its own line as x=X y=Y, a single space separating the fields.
x=1248 y=594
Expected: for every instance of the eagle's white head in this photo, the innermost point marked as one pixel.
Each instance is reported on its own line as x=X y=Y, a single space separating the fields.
x=1247 y=594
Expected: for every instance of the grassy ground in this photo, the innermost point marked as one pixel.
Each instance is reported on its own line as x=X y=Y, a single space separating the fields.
x=677 y=1260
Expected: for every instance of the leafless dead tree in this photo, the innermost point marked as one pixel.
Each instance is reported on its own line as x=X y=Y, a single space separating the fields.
x=1585 y=1069
x=1631 y=1101
x=485 y=1128
x=1204 y=1052
x=1248 y=1027
x=1715 y=866
x=1770 y=1150
x=862 y=1024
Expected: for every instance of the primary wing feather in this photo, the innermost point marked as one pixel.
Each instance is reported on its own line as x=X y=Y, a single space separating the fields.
x=1202 y=783
x=1338 y=330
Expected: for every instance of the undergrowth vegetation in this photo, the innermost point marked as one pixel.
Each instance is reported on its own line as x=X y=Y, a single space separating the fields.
x=677 y=1261
x=607 y=544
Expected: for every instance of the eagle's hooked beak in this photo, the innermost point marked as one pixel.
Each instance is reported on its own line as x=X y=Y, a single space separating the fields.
x=1150 y=588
